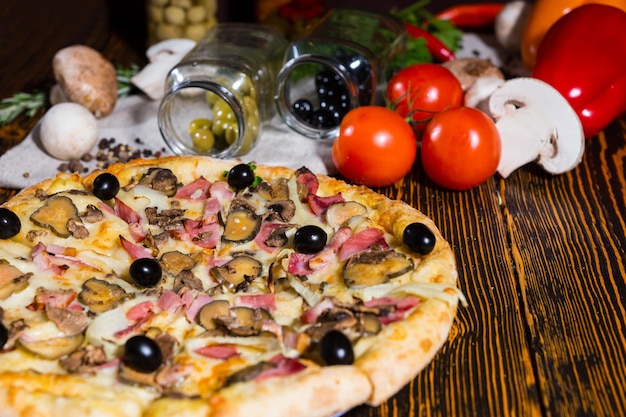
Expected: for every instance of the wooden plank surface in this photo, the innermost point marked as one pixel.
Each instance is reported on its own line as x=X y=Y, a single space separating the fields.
x=541 y=259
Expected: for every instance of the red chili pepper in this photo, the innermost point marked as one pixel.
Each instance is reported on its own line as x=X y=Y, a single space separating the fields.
x=472 y=16
x=583 y=56
x=438 y=49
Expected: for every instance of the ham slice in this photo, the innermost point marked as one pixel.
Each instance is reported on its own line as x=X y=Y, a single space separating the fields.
x=266 y=301
x=319 y=205
x=135 y=250
x=284 y=367
x=196 y=190
x=224 y=351
x=130 y=216
x=362 y=241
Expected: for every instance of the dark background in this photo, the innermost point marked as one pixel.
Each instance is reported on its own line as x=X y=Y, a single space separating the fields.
x=103 y=24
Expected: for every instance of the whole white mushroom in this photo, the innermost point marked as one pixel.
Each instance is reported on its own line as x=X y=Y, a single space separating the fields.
x=68 y=131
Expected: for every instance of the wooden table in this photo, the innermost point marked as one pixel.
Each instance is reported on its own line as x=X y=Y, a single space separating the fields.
x=541 y=258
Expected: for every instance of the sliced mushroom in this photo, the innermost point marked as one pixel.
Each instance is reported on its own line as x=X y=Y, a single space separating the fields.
x=212 y=310
x=12 y=280
x=52 y=348
x=160 y=179
x=163 y=56
x=375 y=267
x=536 y=123
x=244 y=322
x=242 y=225
x=55 y=215
x=236 y=274
x=174 y=262
x=369 y=324
x=338 y=213
x=68 y=321
x=100 y=295
x=249 y=373
x=477 y=95
x=281 y=210
x=186 y=280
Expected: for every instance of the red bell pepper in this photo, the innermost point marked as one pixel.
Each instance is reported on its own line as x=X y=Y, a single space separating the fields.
x=583 y=56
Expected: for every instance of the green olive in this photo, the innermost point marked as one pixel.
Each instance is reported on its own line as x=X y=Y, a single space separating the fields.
x=200 y=123
x=250 y=107
x=231 y=132
x=222 y=111
x=203 y=139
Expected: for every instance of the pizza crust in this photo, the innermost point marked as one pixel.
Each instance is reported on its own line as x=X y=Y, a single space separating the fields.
x=316 y=392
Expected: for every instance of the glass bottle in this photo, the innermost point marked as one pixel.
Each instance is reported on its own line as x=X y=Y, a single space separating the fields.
x=219 y=96
x=343 y=62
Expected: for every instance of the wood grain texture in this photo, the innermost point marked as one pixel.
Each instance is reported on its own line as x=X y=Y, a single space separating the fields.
x=541 y=258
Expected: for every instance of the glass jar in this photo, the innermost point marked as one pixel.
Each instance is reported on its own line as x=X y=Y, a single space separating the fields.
x=169 y=19
x=343 y=62
x=219 y=96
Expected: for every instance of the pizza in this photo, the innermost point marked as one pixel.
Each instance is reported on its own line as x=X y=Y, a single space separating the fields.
x=191 y=286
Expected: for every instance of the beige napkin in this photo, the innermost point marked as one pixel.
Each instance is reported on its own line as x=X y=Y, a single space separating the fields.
x=134 y=122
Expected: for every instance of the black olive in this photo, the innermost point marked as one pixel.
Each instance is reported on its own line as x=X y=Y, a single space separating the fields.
x=142 y=354
x=4 y=335
x=106 y=186
x=303 y=109
x=240 y=176
x=146 y=272
x=10 y=224
x=309 y=239
x=419 y=238
x=336 y=349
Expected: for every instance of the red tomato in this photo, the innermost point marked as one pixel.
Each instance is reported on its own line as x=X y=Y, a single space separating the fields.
x=420 y=91
x=376 y=147
x=460 y=148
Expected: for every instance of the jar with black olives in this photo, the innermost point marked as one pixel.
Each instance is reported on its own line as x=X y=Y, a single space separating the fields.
x=220 y=95
x=343 y=62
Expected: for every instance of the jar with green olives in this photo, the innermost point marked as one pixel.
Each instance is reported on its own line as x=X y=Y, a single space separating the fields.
x=169 y=19
x=343 y=62
x=220 y=95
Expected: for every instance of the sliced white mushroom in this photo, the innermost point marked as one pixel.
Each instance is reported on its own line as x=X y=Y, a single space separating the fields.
x=477 y=95
x=510 y=23
x=177 y=46
x=536 y=123
x=163 y=56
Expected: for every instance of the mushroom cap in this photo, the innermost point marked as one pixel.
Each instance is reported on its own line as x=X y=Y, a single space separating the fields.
x=468 y=70
x=534 y=118
x=87 y=78
x=68 y=131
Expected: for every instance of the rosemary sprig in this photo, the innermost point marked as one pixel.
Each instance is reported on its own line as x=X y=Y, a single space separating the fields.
x=12 y=107
x=124 y=85
x=30 y=103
